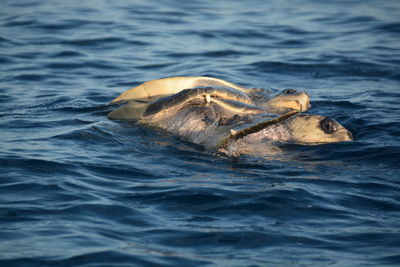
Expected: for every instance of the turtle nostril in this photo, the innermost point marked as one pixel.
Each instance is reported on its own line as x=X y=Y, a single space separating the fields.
x=350 y=135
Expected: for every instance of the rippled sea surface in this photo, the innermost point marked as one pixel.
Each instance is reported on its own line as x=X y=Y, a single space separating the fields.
x=77 y=189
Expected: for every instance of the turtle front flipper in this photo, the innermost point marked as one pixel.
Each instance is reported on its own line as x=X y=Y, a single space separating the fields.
x=131 y=111
x=237 y=107
x=206 y=93
x=154 y=89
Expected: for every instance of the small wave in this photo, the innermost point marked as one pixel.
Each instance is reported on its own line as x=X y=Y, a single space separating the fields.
x=31 y=77
x=212 y=54
x=7 y=42
x=68 y=54
x=389 y=27
x=38 y=166
x=94 y=41
x=346 y=68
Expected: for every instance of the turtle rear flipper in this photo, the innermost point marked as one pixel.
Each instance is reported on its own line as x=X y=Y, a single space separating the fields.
x=237 y=107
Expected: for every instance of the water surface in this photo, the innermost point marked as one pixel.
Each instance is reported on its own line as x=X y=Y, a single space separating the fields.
x=79 y=190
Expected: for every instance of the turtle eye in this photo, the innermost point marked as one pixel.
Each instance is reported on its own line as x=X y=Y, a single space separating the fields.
x=289 y=91
x=328 y=125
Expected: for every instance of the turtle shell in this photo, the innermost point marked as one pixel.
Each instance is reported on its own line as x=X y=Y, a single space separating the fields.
x=154 y=89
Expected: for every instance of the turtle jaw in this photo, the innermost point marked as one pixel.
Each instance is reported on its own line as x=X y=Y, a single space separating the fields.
x=342 y=135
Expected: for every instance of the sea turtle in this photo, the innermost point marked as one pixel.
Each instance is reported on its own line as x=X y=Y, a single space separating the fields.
x=154 y=89
x=139 y=98
x=232 y=99
x=222 y=121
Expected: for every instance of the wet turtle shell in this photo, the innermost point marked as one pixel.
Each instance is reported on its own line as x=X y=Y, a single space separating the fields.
x=154 y=89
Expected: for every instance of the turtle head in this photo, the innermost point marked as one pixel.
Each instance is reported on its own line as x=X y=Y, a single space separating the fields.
x=290 y=99
x=315 y=129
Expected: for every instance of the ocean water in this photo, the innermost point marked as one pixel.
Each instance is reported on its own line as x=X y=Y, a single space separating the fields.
x=77 y=189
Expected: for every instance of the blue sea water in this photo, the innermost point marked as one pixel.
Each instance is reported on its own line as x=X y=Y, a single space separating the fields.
x=77 y=189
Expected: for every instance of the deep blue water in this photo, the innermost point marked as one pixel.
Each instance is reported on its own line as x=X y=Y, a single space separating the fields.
x=77 y=189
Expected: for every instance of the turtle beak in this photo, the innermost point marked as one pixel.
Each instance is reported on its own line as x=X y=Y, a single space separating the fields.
x=344 y=135
x=304 y=100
